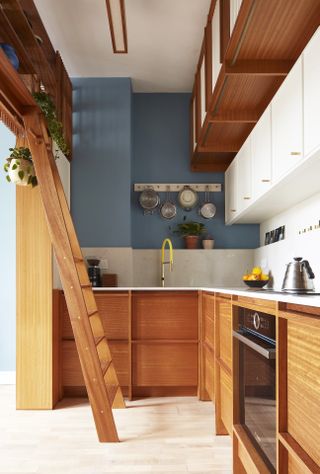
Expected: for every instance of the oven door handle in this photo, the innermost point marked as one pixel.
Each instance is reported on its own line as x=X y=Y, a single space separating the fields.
x=267 y=353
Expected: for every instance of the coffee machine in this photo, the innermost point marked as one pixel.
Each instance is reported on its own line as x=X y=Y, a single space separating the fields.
x=94 y=271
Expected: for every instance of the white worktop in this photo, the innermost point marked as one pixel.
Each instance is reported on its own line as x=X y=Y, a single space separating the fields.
x=307 y=300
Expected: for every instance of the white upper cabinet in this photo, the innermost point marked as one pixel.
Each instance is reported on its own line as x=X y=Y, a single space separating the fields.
x=244 y=184
x=311 y=68
x=261 y=153
x=287 y=124
x=234 y=10
x=215 y=35
x=230 y=186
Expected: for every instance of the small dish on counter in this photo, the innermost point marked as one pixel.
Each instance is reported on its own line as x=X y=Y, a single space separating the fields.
x=256 y=279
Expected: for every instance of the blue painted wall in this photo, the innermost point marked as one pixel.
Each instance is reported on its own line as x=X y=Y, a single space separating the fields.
x=8 y=261
x=161 y=154
x=121 y=138
x=101 y=170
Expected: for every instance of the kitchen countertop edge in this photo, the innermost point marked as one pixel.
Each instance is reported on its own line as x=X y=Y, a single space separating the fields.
x=305 y=300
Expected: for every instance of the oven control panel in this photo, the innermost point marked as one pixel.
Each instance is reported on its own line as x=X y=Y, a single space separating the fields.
x=261 y=323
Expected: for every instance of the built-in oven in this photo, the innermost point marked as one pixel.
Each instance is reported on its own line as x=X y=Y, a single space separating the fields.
x=255 y=336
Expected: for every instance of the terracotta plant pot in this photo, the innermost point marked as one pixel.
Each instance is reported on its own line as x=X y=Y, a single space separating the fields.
x=191 y=241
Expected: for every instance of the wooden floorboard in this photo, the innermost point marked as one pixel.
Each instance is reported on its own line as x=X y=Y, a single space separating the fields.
x=159 y=435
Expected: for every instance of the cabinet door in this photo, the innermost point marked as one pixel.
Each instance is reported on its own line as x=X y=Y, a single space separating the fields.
x=215 y=35
x=287 y=123
x=231 y=192
x=165 y=315
x=261 y=155
x=311 y=69
x=165 y=365
x=223 y=326
x=244 y=193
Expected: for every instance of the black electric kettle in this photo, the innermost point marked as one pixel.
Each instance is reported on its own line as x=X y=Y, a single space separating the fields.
x=298 y=277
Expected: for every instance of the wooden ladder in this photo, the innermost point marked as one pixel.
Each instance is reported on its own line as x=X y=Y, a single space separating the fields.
x=96 y=362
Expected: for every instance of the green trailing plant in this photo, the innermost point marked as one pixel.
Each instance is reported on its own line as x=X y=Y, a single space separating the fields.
x=190 y=228
x=55 y=127
x=18 y=154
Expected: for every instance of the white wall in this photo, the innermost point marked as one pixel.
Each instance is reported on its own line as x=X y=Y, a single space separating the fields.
x=300 y=240
x=8 y=265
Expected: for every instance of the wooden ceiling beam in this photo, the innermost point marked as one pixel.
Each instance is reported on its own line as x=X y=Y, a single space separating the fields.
x=259 y=68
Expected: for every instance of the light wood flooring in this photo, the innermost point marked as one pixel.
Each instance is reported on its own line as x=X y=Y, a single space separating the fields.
x=159 y=435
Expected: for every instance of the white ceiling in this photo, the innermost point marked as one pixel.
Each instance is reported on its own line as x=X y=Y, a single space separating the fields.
x=164 y=39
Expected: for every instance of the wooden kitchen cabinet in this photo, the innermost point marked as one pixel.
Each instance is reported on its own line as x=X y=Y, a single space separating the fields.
x=114 y=309
x=223 y=364
x=299 y=390
x=164 y=343
x=164 y=315
x=311 y=94
x=287 y=123
x=206 y=379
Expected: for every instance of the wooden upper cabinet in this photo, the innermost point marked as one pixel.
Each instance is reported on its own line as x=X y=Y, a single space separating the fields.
x=287 y=123
x=311 y=90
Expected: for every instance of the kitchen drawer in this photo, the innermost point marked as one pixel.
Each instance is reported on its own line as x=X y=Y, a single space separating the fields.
x=165 y=315
x=71 y=369
x=208 y=371
x=167 y=364
x=226 y=401
x=208 y=319
x=262 y=305
x=223 y=329
x=114 y=312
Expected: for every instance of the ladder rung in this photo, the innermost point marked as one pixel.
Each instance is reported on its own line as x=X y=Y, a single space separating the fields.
x=91 y=313
x=97 y=340
x=112 y=392
x=105 y=364
x=87 y=285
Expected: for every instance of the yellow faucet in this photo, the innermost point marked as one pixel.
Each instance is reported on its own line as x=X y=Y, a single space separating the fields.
x=163 y=262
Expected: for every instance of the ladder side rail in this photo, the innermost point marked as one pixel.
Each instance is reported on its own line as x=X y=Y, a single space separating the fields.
x=74 y=295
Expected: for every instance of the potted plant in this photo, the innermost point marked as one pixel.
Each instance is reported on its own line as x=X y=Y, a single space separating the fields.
x=19 y=167
x=55 y=127
x=191 y=232
x=208 y=242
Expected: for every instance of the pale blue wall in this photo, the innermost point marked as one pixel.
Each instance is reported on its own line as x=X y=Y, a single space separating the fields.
x=8 y=260
x=101 y=167
x=161 y=154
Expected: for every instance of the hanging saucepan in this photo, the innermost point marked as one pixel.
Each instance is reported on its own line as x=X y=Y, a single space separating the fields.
x=208 y=209
x=168 y=209
x=187 y=198
x=149 y=200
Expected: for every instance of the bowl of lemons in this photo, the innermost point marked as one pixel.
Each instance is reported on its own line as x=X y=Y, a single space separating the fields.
x=256 y=279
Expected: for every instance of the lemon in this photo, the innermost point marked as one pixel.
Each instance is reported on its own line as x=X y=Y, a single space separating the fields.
x=256 y=271
x=264 y=277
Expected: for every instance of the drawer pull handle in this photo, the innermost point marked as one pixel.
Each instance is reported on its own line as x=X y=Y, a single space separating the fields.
x=265 y=180
x=295 y=153
x=247 y=198
x=233 y=210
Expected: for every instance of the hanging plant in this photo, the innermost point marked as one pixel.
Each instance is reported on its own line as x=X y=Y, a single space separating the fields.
x=55 y=127
x=19 y=167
